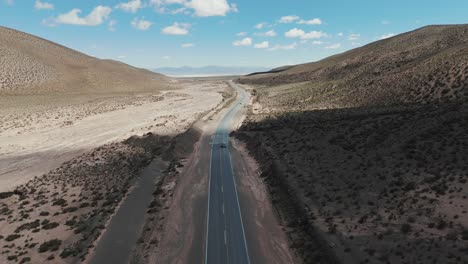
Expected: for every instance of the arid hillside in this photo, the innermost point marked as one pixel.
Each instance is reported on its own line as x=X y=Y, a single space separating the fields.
x=426 y=65
x=31 y=65
x=364 y=153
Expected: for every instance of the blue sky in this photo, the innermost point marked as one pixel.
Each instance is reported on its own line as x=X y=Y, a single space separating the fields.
x=161 y=33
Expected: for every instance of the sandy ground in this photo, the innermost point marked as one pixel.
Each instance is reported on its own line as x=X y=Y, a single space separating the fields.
x=386 y=185
x=38 y=134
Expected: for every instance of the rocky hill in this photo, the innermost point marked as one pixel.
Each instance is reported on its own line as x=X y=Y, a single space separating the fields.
x=31 y=65
x=365 y=153
x=426 y=65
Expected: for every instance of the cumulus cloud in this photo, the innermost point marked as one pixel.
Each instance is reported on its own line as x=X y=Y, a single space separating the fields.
x=334 y=46
x=177 y=29
x=261 y=25
x=141 y=23
x=132 y=6
x=38 y=5
x=317 y=42
x=201 y=8
x=263 y=45
x=206 y=8
x=299 y=33
x=187 y=45
x=354 y=36
x=389 y=35
x=243 y=42
x=289 y=19
x=284 y=47
x=241 y=34
x=96 y=17
x=340 y=34
x=270 y=33
x=315 y=21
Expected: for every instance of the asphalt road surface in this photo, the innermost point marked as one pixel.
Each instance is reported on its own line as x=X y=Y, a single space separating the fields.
x=225 y=238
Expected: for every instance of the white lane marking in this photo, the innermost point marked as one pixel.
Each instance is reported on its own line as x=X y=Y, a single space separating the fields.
x=223 y=208
x=238 y=205
x=225 y=237
x=222 y=189
x=208 y=214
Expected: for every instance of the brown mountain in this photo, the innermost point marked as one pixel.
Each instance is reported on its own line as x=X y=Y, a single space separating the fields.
x=428 y=64
x=32 y=65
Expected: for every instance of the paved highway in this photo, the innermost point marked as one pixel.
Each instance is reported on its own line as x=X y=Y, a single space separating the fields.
x=225 y=238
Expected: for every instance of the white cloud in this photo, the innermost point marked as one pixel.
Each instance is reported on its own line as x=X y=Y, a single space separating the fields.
x=340 y=34
x=38 y=5
x=389 y=35
x=285 y=47
x=241 y=34
x=202 y=8
x=141 y=23
x=354 y=36
x=317 y=42
x=177 y=29
x=261 y=25
x=289 y=19
x=299 y=33
x=385 y=22
x=243 y=42
x=96 y=17
x=334 y=46
x=166 y=2
x=122 y=57
x=166 y=58
x=355 y=44
x=263 y=45
x=111 y=25
x=187 y=45
x=206 y=8
x=159 y=6
x=270 y=33
x=315 y=21
x=132 y=6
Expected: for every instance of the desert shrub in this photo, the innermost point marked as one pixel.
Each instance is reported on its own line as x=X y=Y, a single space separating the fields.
x=69 y=251
x=406 y=228
x=27 y=226
x=44 y=213
x=60 y=202
x=51 y=245
x=25 y=259
x=70 y=209
x=5 y=195
x=70 y=222
x=452 y=235
x=441 y=224
x=12 y=257
x=464 y=234
x=51 y=225
x=12 y=237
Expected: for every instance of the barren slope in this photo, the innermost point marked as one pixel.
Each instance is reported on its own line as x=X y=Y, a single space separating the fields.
x=428 y=64
x=364 y=153
x=31 y=65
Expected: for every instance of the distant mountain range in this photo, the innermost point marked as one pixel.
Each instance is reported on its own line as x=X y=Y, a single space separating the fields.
x=208 y=71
